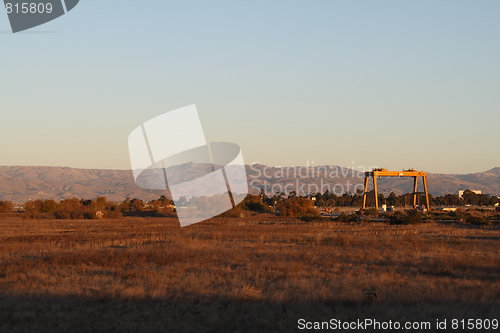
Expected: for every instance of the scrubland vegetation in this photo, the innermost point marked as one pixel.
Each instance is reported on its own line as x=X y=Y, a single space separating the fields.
x=307 y=208
x=97 y=266
x=257 y=273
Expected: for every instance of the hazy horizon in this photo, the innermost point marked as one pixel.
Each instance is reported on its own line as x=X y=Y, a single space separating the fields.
x=248 y=164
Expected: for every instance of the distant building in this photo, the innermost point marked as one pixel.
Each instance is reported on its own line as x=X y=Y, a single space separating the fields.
x=448 y=209
x=461 y=192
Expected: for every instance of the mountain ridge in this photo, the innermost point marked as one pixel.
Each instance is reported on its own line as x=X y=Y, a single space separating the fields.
x=24 y=183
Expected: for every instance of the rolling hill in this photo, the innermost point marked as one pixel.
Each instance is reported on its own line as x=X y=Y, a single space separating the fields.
x=23 y=183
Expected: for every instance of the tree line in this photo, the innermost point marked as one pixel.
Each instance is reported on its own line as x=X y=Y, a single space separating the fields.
x=90 y=209
x=279 y=203
x=328 y=199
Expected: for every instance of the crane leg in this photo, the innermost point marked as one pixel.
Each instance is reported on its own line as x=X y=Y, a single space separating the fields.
x=415 y=180
x=426 y=193
x=366 y=189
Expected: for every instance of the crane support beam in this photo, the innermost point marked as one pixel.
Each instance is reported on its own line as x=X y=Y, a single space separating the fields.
x=415 y=186
x=405 y=173
x=426 y=191
x=364 y=194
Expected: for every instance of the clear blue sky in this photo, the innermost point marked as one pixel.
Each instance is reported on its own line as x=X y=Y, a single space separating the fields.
x=394 y=84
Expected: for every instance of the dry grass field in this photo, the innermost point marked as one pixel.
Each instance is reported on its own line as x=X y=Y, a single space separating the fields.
x=258 y=274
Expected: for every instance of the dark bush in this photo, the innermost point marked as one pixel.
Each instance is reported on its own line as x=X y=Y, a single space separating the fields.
x=411 y=217
x=459 y=214
x=255 y=204
x=6 y=206
x=137 y=205
x=346 y=218
x=477 y=220
x=311 y=216
x=112 y=211
x=368 y=212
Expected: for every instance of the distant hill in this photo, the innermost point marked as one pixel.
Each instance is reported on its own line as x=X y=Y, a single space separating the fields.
x=337 y=177
x=23 y=183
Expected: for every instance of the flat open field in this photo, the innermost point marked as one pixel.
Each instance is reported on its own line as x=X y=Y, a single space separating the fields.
x=258 y=274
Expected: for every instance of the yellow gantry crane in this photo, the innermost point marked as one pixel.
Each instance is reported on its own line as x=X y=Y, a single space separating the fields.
x=405 y=173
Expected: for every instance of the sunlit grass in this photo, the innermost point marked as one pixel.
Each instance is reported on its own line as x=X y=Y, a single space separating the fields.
x=272 y=259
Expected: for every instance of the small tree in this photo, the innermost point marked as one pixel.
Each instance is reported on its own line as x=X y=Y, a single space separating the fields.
x=255 y=204
x=99 y=203
x=112 y=211
x=73 y=209
x=137 y=205
x=296 y=207
x=48 y=206
x=6 y=206
x=125 y=205
x=470 y=198
x=32 y=208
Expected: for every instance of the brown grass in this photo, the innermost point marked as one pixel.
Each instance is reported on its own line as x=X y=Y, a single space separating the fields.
x=270 y=271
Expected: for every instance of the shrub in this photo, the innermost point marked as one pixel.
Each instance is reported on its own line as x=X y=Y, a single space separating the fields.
x=137 y=205
x=32 y=209
x=369 y=212
x=48 y=206
x=74 y=209
x=112 y=211
x=459 y=214
x=477 y=220
x=295 y=207
x=346 y=218
x=6 y=206
x=255 y=204
x=411 y=217
x=310 y=216
x=100 y=203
